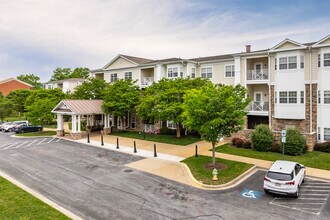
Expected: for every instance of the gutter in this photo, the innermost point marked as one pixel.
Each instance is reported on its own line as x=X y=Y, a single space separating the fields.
x=310 y=92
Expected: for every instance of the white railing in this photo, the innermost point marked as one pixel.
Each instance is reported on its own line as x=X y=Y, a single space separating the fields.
x=258 y=106
x=146 y=81
x=257 y=75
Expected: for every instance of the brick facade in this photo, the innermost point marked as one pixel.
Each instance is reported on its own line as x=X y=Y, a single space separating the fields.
x=9 y=85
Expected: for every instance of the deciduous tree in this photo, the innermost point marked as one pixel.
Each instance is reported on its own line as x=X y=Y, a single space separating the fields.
x=215 y=110
x=18 y=98
x=31 y=79
x=91 y=89
x=120 y=98
x=66 y=73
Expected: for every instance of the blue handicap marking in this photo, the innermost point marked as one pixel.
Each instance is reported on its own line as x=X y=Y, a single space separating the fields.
x=251 y=194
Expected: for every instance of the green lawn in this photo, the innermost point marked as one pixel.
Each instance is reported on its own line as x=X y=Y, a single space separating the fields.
x=37 y=134
x=233 y=170
x=313 y=159
x=15 y=203
x=22 y=118
x=50 y=126
x=167 y=139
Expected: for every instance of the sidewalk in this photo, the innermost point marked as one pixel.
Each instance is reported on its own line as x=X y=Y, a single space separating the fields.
x=167 y=164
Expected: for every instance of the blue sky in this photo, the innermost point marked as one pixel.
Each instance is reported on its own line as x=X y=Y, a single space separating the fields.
x=37 y=36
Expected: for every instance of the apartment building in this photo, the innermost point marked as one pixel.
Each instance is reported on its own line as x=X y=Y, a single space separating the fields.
x=289 y=83
x=66 y=85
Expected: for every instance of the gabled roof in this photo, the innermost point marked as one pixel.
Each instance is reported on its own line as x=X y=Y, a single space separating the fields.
x=287 y=40
x=79 y=107
x=13 y=79
x=213 y=58
x=133 y=60
x=316 y=44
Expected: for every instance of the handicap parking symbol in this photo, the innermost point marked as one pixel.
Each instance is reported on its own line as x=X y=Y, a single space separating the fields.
x=251 y=194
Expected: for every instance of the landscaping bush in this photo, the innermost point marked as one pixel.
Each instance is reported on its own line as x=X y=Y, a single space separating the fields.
x=323 y=147
x=262 y=138
x=233 y=141
x=247 y=144
x=166 y=131
x=295 y=142
x=239 y=143
x=276 y=147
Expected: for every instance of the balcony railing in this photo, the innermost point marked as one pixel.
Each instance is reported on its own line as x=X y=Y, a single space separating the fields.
x=257 y=75
x=258 y=106
x=146 y=81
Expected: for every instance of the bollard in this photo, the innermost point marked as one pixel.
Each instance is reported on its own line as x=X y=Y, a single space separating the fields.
x=117 y=147
x=102 y=143
x=155 y=151
x=196 y=151
x=135 y=151
x=88 y=140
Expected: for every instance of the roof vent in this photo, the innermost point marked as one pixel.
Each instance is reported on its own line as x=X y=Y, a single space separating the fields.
x=248 y=48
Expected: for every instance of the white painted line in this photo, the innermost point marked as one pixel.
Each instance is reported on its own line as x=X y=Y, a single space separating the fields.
x=42 y=141
x=9 y=146
x=315 y=190
x=310 y=209
x=41 y=197
x=32 y=142
x=58 y=139
x=317 y=187
x=4 y=145
x=312 y=184
x=21 y=144
x=51 y=140
x=299 y=203
x=301 y=199
x=312 y=194
x=294 y=208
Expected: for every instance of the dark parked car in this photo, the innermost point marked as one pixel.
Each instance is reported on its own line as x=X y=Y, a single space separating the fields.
x=27 y=128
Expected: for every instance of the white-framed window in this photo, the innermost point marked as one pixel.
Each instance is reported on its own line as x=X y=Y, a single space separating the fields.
x=193 y=72
x=172 y=72
x=288 y=62
x=181 y=72
x=302 y=62
x=318 y=133
x=292 y=97
x=206 y=72
x=302 y=97
x=326 y=59
x=326 y=97
x=170 y=124
x=283 y=97
x=319 y=97
x=230 y=71
x=128 y=75
x=319 y=60
x=275 y=97
x=326 y=134
x=113 y=77
x=133 y=122
x=288 y=97
x=275 y=63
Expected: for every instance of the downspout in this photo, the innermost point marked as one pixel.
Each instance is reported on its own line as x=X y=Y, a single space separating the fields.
x=269 y=94
x=310 y=92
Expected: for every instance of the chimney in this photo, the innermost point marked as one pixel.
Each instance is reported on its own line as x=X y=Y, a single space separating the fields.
x=248 y=48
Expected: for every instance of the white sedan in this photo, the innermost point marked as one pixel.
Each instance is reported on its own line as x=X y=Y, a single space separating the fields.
x=284 y=177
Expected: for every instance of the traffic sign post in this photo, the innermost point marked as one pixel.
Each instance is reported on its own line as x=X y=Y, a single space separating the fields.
x=283 y=137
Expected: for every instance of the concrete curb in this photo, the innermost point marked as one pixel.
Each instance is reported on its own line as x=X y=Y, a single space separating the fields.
x=224 y=186
x=41 y=197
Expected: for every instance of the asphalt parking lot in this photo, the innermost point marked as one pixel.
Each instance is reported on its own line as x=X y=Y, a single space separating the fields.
x=94 y=183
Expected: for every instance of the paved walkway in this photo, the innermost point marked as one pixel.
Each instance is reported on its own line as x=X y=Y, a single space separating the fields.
x=167 y=164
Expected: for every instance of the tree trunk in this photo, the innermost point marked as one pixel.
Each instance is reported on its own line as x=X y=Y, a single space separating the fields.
x=213 y=154
x=123 y=122
x=178 y=130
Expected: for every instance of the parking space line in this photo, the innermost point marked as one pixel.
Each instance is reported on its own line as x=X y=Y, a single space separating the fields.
x=302 y=199
x=316 y=213
x=51 y=140
x=58 y=139
x=299 y=203
x=317 y=187
x=9 y=146
x=21 y=144
x=42 y=141
x=313 y=194
x=32 y=142
x=4 y=145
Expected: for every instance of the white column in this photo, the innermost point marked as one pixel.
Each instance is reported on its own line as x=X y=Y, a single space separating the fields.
x=158 y=74
x=79 y=124
x=74 y=124
x=59 y=122
x=108 y=116
x=237 y=70
x=87 y=120
x=102 y=119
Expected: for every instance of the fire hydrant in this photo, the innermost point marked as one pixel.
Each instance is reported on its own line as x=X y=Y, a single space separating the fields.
x=215 y=174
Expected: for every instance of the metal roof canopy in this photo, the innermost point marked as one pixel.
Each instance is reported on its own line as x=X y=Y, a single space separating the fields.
x=79 y=107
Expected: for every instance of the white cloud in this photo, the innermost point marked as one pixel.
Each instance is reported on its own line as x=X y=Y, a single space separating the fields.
x=90 y=33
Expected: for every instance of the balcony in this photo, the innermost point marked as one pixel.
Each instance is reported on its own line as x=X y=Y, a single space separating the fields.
x=258 y=108
x=257 y=76
x=146 y=81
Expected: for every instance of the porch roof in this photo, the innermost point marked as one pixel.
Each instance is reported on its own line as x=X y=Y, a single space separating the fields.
x=79 y=107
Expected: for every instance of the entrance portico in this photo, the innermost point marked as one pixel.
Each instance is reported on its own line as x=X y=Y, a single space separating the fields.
x=88 y=110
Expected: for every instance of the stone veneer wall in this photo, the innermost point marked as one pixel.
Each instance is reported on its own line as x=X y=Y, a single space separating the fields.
x=302 y=125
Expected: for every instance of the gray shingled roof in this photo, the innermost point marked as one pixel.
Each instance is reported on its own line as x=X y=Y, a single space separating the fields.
x=210 y=58
x=79 y=107
x=137 y=60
